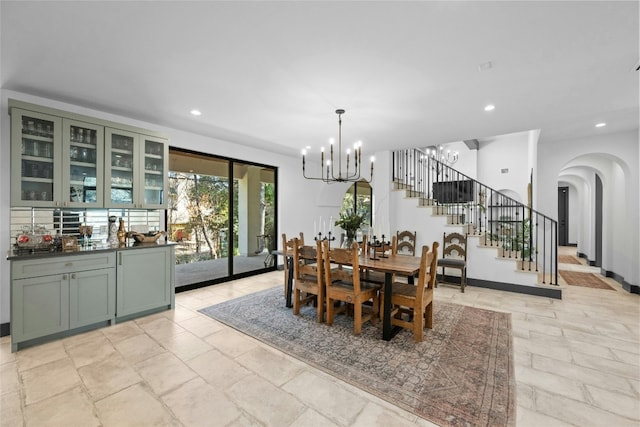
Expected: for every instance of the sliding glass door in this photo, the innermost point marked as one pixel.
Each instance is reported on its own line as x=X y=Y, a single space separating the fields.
x=221 y=216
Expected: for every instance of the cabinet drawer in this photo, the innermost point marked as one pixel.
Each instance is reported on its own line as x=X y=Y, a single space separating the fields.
x=64 y=264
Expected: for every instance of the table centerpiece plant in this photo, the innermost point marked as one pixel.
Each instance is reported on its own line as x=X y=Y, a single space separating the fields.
x=350 y=222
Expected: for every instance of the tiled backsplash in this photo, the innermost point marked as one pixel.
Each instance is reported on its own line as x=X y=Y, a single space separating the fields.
x=68 y=220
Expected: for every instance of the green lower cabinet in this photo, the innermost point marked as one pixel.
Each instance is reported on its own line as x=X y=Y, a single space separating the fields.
x=39 y=307
x=52 y=297
x=92 y=297
x=145 y=280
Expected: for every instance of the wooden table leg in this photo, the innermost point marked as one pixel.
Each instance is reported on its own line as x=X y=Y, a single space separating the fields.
x=386 y=318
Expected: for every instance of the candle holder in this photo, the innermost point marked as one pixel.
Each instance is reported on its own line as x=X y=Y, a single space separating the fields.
x=328 y=237
x=378 y=246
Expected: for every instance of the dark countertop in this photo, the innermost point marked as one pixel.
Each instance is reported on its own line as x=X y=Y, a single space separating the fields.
x=21 y=254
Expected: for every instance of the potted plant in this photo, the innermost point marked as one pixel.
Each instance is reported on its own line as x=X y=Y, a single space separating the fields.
x=350 y=222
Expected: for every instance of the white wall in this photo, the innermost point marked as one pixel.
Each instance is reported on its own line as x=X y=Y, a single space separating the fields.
x=297 y=197
x=506 y=152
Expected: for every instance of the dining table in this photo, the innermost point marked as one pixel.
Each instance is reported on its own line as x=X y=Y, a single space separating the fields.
x=405 y=265
x=390 y=265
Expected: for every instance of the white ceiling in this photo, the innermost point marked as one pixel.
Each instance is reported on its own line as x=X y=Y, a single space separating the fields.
x=271 y=74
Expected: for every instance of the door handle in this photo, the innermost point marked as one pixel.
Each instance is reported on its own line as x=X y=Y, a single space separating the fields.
x=73 y=276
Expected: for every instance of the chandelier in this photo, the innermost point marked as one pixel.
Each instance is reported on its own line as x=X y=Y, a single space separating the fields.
x=438 y=152
x=328 y=172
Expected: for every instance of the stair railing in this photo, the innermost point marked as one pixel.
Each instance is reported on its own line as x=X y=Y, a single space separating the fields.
x=517 y=230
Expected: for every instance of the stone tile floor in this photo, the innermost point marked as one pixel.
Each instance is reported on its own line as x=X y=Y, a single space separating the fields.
x=577 y=363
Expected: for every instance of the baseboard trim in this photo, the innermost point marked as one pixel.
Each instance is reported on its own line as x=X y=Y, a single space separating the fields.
x=549 y=292
x=519 y=289
x=632 y=289
x=591 y=263
x=5 y=329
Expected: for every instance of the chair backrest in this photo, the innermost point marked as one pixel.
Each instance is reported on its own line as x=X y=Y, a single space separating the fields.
x=428 y=270
x=433 y=267
x=287 y=245
x=406 y=242
x=341 y=257
x=454 y=245
x=307 y=261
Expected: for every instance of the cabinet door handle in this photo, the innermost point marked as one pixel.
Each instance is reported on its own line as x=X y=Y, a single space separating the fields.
x=73 y=276
x=69 y=264
x=120 y=259
x=64 y=277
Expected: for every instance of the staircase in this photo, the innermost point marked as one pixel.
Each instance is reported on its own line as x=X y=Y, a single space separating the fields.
x=511 y=246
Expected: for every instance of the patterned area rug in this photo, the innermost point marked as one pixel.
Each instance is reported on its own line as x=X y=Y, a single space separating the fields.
x=567 y=259
x=587 y=280
x=461 y=375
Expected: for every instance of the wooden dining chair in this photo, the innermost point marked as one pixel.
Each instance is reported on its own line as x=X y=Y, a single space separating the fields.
x=308 y=277
x=344 y=284
x=406 y=242
x=412 y=305
x=454 y=255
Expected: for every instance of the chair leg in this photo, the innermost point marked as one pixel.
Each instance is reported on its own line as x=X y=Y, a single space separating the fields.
x=357 y=316
x=376 y=310
x=296 y=301
x=428 y=316
x=418 y=324
x=330 y=310
x=320 y=300
x=286 y=276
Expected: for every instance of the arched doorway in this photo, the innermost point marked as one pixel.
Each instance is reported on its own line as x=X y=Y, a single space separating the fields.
x=596 y=185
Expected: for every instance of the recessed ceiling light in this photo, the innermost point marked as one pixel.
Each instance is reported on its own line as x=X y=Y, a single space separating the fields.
x=490 y=107
x=601 y=125
x=196 y=112
x=485 y=66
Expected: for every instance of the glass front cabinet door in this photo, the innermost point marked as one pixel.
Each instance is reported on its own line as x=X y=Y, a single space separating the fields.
x=155 y=177
x=121 y=152
x=36 y=162
x=136 y=168
x=83 y=164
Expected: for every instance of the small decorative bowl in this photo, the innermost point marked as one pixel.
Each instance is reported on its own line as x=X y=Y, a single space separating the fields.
x=145 y=238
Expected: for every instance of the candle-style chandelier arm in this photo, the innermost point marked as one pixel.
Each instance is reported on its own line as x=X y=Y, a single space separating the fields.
x=438 y=152
x=327 y=168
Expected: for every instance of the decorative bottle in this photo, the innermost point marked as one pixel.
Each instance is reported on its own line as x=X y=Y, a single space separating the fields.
x=122 y=234
x=113 y=231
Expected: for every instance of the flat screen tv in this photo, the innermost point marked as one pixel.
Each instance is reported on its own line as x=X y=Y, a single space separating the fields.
x=453 y=191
